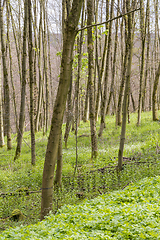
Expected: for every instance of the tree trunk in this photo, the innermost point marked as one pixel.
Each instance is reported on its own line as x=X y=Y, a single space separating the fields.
x=1 y=109
x=31 y=78
x=59 y=107
x=104 y=100
x=85 y=114
x=114 y=64
x=45 y=59
x=23 y=87
x=143 y=38
x=148 y=55
x=90 y=80
x=17 y=43
x=69 y=113
x=101 y=71
x=39 y=104
x=6 y=82
x=124 y=67
x=11 y=66
x=58 y=177
x=125 y=100
x=154 y=95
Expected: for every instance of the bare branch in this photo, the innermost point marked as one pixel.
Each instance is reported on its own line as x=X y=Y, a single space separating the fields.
x=110 y=20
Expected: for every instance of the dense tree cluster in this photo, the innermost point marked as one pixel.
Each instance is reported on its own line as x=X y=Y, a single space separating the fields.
x=102 y=55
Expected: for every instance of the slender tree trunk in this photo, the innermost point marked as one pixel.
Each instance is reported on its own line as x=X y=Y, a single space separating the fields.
x=101 y=71
x=35 y=91
x=31 y=78
x=77 y=84
x=6 y=82
x=1 y=109
x=58 y=177
x=143 y=38
x=39 y=104
x=23 y=87
x=49 y=64
x=11 y=66
x=17 y=44
x=104 y=100
x=69 y=114
x=45 y=59
x=148 y=55
x=85 y=115
x=90 y=80
x=59 y=107
x=124 y=67
x=126 y=93
x=154 y=95
x=114 y=64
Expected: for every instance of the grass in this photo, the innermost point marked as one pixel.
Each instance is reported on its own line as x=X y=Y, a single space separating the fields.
x=132 y=213
x=142 y=143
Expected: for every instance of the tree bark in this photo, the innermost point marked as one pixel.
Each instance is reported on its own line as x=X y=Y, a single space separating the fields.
x=126 y=93
x=1 y=109
x=6 y=82
x=111 y=93
x=58 y=177
x=59 y=107
x=31 y=78
x=124 y=67
x=23 y=87
x=104 y=100
x=154 y=95
x=39 y=104
x=90 y=80
x=143 y=39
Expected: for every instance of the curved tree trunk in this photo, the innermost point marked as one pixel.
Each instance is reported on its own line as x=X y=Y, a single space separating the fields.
x=59 y=107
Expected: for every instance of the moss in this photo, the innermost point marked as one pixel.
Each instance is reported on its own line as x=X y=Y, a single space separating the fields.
x=17 y=215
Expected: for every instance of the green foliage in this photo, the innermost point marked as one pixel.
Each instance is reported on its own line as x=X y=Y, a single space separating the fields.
x=59 y=53
x=132 y=213
x=142 y=143
x=105 y=32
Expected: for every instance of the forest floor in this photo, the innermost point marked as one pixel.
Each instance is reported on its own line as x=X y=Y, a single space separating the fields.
x=20 y=182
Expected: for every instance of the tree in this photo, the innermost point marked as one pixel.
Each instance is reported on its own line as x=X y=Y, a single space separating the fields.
x=104 y=99
x=6 y=82
x=31 y=78
x=154 y=95
x=70 y=31
x=143 y=39
x=126 y=93
x=1 y=109
x=23 y=85
x=90 y=80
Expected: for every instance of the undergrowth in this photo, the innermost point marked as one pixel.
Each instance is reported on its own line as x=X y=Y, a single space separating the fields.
x=141 y=144
x=131 y=213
